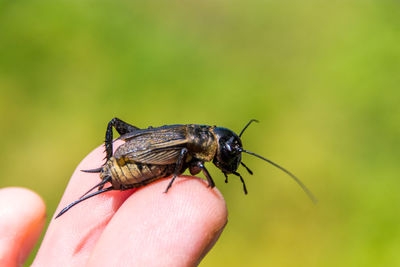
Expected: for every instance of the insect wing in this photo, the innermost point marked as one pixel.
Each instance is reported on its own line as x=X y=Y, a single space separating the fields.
x=176 y=130
x=159 y=146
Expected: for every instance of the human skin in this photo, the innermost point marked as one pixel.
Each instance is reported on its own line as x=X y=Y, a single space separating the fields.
x=138 y=227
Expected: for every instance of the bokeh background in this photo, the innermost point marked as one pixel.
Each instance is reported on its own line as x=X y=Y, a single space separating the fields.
x=321 y=76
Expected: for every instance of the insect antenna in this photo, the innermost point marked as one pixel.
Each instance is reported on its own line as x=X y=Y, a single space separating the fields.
x=64 y=210
x=305 y=189
x=247 y=125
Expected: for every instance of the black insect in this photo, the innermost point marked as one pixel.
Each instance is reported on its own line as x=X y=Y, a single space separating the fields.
x=153 y=153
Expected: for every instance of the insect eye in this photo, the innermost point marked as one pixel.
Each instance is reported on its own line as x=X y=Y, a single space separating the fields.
x=228 y=147
x=232 y=149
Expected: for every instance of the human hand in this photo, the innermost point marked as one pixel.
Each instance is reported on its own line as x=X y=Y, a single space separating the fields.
x=143 y=227
x=22 y=218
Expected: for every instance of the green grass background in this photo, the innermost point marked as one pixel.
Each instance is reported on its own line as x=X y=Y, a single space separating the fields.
x=321 y=76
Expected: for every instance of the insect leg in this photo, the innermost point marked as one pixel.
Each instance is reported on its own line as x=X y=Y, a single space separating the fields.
x=121 y=127
x=247 y=168
x=241 y=179
x=64 y=210
x=207 y=175
x=178 y=167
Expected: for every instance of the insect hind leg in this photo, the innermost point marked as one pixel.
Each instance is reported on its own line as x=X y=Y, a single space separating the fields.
x=122 y=128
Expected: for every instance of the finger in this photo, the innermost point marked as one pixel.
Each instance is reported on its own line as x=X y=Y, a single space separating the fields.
x=153 y=228
x=22 y=217
x=70 y=238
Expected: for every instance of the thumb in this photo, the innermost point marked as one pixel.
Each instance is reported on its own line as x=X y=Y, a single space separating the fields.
x=22 y=217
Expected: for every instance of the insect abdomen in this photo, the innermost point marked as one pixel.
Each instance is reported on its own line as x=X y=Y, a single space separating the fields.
x=132 y=175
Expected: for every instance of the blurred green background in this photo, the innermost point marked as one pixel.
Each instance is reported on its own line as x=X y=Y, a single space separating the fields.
x=321 y=76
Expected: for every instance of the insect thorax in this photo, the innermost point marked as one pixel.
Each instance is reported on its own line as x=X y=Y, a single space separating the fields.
x=201 y=142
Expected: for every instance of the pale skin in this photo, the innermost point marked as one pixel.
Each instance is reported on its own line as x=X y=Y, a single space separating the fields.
x=143 y=227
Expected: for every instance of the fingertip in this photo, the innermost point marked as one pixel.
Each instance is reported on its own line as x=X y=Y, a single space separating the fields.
x=153 y=228
x=23 y=215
